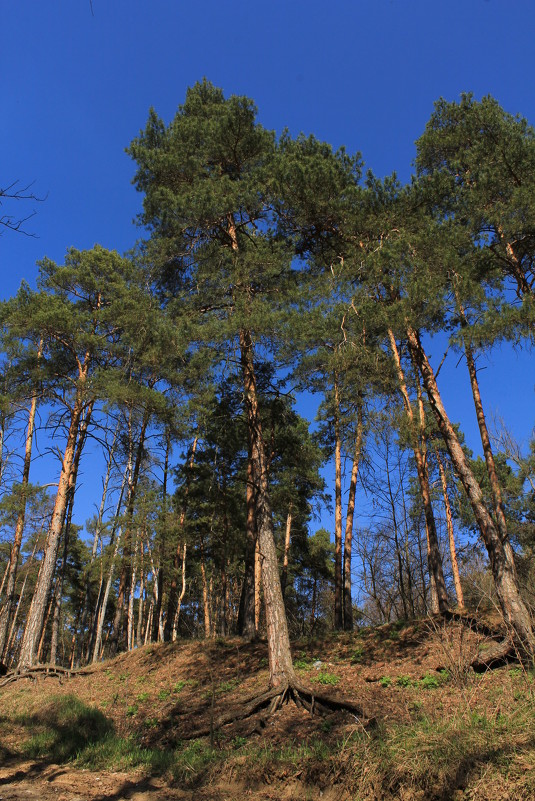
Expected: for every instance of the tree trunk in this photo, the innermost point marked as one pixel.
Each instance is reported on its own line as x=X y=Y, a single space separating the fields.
x=99 y=619
x=205 y=598
x=56 y=605
x=67 y=530
x=182 y=593
x=157 y=633
x=141 y=604
x=45 y=578
x=286 y=556
x=399 y=559
x=7 y=608
x=103 y=593
x=50 y=603
x=126 y=567
x=280 y=658
x=131 y=594
x=257 y=588
x=246 y=614
x=154 y=599
x=98 y=529
x=514 y=610
x=434 y=558
x=169 y=628
x=496 y=491
x=8 y=651
x=451 y=538
x=338 y=579
x=348 y=539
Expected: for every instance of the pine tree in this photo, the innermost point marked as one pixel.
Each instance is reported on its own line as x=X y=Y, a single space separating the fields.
x=209 y=202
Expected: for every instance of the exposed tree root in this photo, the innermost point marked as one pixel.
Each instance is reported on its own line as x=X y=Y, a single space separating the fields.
x=261 y=707
x=36 y=671
x=497 y=655
x=472 y=623
x=504 y=649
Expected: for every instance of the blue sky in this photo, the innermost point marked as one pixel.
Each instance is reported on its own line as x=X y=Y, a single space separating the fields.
x=76 y=88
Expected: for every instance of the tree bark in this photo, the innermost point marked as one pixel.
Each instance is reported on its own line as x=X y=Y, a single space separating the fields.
x=102 y=600
x=348 y=539
x=182 y=593
x=436 y=572
x=257 y=587
x=399 y=559
x=451 y=536
x=141 y=604
x=98 y=528
x=514 y=610
x=126 y=566
x=84 y=426
x=45 y=578
x=279 y=653
x=132 y=589
x=338 y=578
x=205 y=598
x=246 y=614
x=496 y=491
x=286 y=555
x=169 y=627
x=7 y=608
x=157 y=630
x=281 y=670
x=8 y=651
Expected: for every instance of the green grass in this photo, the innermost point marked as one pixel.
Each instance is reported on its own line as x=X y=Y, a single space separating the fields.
x=431 y=681
x=221 y=689
x=404 y=681
x=63 y=729
x=303 y=664
x=328 y=678
x=430 y=757
x=356 y=655
x=122 y=753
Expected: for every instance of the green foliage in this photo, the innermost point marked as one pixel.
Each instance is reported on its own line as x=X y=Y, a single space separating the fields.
x=432 y=681
x=385 y=681
x=302 y=663
x=324 y=677
x=404 y=681
x=356 y=655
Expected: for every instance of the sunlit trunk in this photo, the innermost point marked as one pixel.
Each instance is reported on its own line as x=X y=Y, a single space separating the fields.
x=338 y=578
x=513 y=607
x=169 y=631
x=7 y=608
x=37 y=611
x=439 y=595
x=451 y=537
x=348 y=540
x=279 y=653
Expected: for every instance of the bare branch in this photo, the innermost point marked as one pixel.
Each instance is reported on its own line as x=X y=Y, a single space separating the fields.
x=15 y=192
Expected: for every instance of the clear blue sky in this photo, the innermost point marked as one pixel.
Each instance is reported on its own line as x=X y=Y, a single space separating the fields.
x=76 y=88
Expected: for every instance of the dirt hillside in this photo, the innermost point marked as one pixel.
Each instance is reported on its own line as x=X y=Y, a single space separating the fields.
x=430 y=727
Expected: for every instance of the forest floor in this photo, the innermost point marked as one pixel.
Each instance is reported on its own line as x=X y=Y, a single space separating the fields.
x=431 y=730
